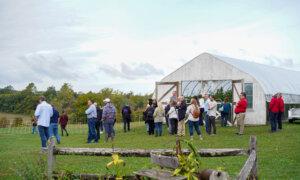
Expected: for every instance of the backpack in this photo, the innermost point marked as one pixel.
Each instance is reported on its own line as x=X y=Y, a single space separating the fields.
x=196 y=112
x=110 y=113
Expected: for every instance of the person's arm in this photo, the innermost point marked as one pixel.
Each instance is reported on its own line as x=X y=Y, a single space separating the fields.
x=37 y=112
x=89 y=110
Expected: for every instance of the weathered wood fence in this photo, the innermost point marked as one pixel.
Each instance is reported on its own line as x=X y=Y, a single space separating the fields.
x=249 y=170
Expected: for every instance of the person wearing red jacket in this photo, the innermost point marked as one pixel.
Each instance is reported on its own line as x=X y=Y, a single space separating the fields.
x=273 y=112
x=63 y=121
x=280 y=110
x=240 y=111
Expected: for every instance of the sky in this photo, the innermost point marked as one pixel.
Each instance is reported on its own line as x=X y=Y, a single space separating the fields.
x=130 y=44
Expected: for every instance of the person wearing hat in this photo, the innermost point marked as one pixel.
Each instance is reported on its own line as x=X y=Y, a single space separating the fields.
x=91 y=113
x=108 y=118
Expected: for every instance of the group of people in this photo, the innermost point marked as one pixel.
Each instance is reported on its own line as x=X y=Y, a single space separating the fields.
x=200 y=111
x=46 y=119
x=276 y=110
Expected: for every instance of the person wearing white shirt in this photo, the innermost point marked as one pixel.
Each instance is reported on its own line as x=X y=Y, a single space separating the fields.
x=193 y=122
x=91 y=113
x=173 y=117
x=43 y=113
x=212 y=113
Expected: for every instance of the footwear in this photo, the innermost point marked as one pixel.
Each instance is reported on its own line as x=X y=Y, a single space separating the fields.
x=44 y=150
x=201 y=138
x=101 y=132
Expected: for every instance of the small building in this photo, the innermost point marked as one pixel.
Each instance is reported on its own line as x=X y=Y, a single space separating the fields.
x=207 y=72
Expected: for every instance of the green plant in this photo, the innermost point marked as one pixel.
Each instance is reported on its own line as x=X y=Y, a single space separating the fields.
x=29 y=169
x=117 y=165
x=188 y=164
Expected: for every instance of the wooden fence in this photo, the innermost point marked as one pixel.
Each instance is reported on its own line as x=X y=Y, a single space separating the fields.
x=249 y=170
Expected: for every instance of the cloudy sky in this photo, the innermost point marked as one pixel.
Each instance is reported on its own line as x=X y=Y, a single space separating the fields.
x=130 y=44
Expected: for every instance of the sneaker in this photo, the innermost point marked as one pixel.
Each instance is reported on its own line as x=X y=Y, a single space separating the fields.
x=101 y=132
x=201 y=138
x=44 y=150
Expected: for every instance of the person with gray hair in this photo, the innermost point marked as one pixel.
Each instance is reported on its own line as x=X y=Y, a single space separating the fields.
x=108 y=118
x=91 y=113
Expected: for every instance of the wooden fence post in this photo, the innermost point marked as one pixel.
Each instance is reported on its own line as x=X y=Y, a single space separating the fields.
x=51 y=158
x=253 y=147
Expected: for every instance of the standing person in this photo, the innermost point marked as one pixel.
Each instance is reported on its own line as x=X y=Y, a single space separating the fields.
x=108 y=118
x=181 y=108
x=240 y=111
x=225 y=113
x=212 y=113
x=193 y=113
x=53 y=128
x=43 y=113
x=126 y=116
x=206 y=107
x=159 y=115
x=91 y=113
x=201 y=104
x=174 y=96
x=273 y=112
x=63 y=121
x=167 y=109
x=145 y=113
x=173 y=117
x=34 y=124
x=281 y=110
x=98 y=121
x=150 y=118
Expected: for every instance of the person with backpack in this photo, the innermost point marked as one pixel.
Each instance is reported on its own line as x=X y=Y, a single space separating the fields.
x=212 y=113
x=150 y=119
x=159 y=115
x=108 y=118
x=126 y=116
x=181 y=109
x=193 y=113
x=91 y=113
x=173 y=117
x=145 y=113
x=98 y=121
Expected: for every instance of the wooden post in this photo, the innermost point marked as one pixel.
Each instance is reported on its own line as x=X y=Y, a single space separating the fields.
x=253 y=147
x=51 y=158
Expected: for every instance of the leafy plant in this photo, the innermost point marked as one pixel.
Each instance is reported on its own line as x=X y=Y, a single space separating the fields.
x=30 y=169
x=188 y=164
x=117 y=165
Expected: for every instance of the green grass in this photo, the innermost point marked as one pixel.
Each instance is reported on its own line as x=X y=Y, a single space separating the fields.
x=278 y=153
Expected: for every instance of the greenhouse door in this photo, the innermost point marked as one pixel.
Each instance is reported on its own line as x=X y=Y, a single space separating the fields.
x=164 y=90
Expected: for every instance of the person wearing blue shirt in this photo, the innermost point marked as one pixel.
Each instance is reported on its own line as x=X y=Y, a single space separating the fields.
x=53 y=128
x=91 y=113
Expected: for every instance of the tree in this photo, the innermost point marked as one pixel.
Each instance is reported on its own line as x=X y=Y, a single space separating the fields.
x=50 y=93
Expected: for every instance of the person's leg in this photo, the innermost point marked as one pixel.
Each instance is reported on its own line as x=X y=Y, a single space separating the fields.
x=51 y=133
x=271 y=117
x=279 y=120
x=65 y=128
x=237 y=118
x=242 y=123
x=276 y=121
x=124 y=124
x=90 y=127
x=176 y=126
x=97 y=128
x=197 y=127
x=101 y=125
x=105 y=125
x=112 y=130
x=160 y=128
x=94 y=134
x=128 y=124
x=191 y=128
x=156 y=129
x=55 y=132
x=179 y=128
x=62 y=130
x=42 y=136
x=213 y=122
x=207 y=123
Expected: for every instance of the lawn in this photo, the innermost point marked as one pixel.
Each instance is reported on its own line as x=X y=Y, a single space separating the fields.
x=278 y=153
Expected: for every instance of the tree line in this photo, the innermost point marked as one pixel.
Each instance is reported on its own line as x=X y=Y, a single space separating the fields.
x=74 y=103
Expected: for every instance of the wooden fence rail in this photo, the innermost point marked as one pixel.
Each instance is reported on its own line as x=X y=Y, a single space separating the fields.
x=249 y=170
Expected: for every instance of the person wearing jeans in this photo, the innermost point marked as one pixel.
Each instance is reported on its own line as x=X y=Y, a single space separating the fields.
x=159 y=116
x=43 y=113
x=193 y=121
x=108 y=118
x=173 y=117
x=53 y=128
x=91 y=113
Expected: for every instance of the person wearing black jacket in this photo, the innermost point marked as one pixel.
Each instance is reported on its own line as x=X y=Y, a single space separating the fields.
x=181 y=108
x=99 y=125
x=126 y=115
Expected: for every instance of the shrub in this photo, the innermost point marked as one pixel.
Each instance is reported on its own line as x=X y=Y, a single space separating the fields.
x=4 y=122
x=17 y=122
